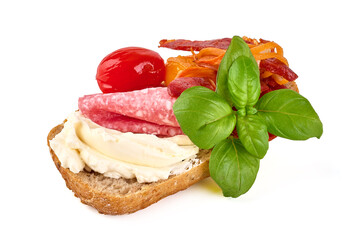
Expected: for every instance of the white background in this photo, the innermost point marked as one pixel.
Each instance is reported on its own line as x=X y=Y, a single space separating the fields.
x=49 y=52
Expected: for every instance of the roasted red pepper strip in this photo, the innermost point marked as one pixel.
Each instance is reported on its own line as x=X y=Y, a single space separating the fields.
x=187 y=45
x=276 y=66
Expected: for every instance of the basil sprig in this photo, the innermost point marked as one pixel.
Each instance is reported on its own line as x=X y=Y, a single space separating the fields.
x=208 y=119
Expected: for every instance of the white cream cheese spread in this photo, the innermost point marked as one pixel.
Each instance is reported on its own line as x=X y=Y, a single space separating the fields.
x=83 y=143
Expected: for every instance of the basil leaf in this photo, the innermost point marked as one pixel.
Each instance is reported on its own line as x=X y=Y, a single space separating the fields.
x=289 y=115
x=253 y=134
x=232 y=167
x=244 y=82
x=237 y=48
x=204 y=116
x=251 y=110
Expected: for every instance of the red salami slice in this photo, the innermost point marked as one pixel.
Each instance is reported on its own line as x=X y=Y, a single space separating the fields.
x=187 y=45
x=176 y=87
x=269 y=84
x=274 y=65
x=126 y=124
x=152 y=105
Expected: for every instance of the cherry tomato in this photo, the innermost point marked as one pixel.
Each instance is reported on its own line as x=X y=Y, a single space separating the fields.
x=131 y=68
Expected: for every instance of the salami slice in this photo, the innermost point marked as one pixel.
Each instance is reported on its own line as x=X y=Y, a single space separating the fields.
x=127 y=124
x=152 y=105
x=269 y=84
x=187 y=45
x=179 y=85
x=274 y=65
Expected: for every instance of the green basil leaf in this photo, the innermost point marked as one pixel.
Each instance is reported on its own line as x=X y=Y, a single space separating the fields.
x=253 y=134
x=204 y=116
x=251 y=110
x=244 y=82
x=289 y=115
x=237 y=48
x=232 y=167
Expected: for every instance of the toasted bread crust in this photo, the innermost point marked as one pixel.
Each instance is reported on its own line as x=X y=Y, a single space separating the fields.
x=107 y=202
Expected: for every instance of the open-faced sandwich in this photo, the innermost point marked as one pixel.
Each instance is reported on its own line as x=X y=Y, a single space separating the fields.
x=157 y=128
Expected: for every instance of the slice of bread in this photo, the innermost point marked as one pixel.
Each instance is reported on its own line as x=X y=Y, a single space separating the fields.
x=122 y=196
